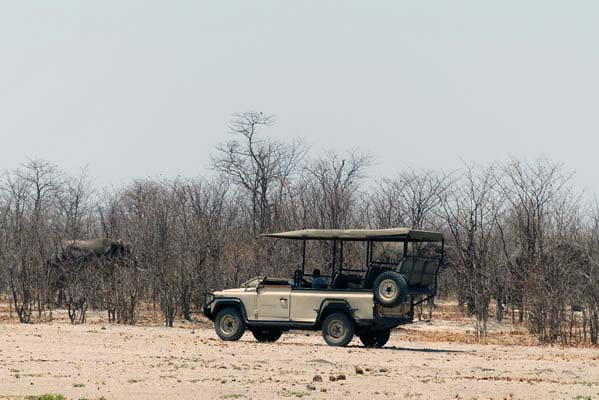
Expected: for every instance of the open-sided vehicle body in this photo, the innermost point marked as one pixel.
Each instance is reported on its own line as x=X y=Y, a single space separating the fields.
x=368 y=300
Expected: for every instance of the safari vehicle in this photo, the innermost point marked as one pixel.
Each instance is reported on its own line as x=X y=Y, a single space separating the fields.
x=367 y=300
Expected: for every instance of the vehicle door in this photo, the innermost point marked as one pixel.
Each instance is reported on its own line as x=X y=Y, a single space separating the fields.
x=273 y=302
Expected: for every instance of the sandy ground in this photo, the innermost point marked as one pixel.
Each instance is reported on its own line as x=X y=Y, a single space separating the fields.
x=189 y=362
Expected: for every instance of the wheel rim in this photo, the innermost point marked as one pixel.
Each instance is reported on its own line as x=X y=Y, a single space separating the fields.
x=228 y=324
x=388 y=289
x=336 y=330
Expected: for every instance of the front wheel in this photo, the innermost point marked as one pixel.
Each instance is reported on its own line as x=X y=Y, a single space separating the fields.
x=229 y=324
x=267 y=335
x=375 y=339
x=337 y=330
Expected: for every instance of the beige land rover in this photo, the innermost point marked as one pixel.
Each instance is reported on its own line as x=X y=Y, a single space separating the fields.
x=367 y=301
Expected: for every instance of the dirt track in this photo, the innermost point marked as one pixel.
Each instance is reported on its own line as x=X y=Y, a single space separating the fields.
x=124 y=362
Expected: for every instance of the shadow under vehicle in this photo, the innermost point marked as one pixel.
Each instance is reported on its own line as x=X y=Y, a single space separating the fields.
x=368 y=300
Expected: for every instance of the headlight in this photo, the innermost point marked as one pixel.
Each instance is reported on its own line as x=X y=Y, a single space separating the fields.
x=209 y=298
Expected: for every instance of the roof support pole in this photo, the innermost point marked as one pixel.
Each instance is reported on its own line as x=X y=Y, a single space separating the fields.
x=341 y=258
x=334 y=257
x=442 y=251
x=303 y=257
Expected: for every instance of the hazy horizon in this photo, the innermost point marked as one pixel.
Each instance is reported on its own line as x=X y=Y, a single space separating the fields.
x=146 y=89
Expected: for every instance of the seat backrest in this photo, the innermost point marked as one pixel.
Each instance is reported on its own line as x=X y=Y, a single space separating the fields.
x=406 y=268
x=340 y=281
x=417 y=271
x=371 y=274
x=297 y=278
x=429 y=272
x=354 y=279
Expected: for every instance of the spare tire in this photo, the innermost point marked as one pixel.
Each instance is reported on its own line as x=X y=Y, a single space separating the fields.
x=390 y=289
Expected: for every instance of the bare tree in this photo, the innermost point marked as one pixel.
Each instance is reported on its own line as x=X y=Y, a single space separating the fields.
x=530 y=189
x=74 y=206
x=471 y=212
x=411 y=199
x=334 y=183
x=588 y=284
x=33 y=190
x=260 y=166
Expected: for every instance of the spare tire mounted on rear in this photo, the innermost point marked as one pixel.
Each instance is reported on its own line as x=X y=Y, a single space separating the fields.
x=390 y=289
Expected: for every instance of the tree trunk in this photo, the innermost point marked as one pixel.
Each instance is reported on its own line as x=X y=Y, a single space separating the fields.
x=499 y=310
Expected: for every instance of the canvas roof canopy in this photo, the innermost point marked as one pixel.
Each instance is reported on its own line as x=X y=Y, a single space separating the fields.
x=379 y=235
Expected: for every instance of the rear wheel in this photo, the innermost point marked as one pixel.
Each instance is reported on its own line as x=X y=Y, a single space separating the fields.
x=267 y=334
x=376 y=338
x=337 y=330
x=390 y=289
x=229 y=324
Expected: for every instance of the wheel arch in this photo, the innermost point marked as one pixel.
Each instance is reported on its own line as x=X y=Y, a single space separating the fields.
x=329 y=306
x=221 y=303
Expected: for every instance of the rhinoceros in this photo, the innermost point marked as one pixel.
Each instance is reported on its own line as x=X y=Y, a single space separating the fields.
x=76 y=256
x=81 y=249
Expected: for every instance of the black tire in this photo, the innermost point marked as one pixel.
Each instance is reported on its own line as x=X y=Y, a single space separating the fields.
x=229 y=324
x=267 y=335
x=376 y=338
x=382 y=337
x=390 y=289
x=337 y=330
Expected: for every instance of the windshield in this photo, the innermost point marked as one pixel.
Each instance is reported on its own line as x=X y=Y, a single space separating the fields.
x=252 y=283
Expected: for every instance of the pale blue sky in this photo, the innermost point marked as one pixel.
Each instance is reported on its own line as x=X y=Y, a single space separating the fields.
x=145 y=88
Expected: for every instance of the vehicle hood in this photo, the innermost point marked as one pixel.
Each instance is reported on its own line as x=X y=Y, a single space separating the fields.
x=229 y=292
